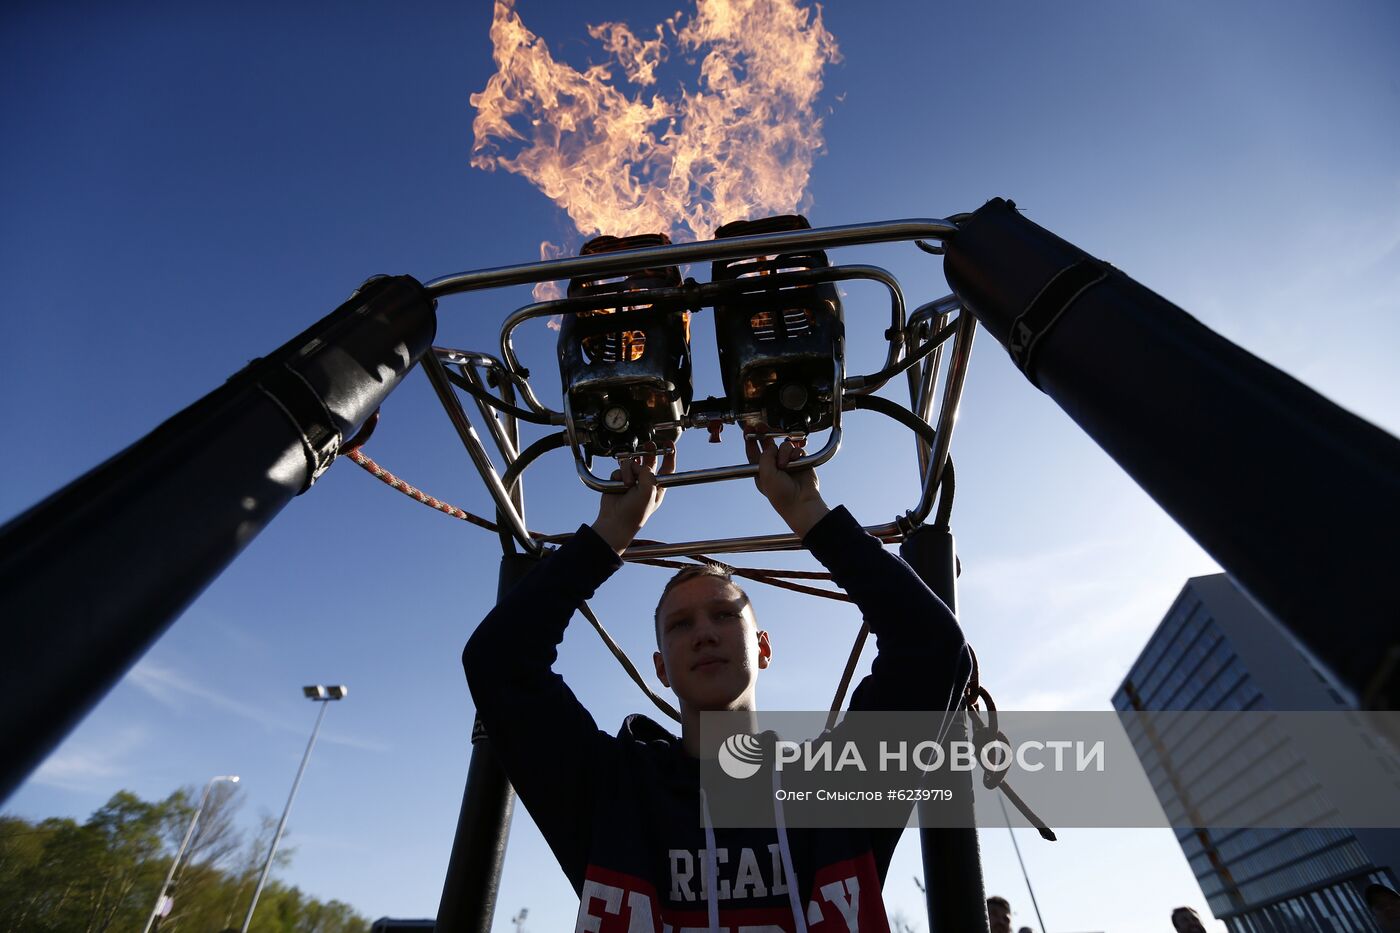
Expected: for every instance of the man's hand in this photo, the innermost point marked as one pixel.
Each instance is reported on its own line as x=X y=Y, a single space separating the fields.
x=622 y=514
x=794 y=494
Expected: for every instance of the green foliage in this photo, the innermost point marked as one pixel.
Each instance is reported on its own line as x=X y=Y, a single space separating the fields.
x=57 y=876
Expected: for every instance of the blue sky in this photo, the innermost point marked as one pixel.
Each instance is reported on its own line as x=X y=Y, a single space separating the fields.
x=187 y=186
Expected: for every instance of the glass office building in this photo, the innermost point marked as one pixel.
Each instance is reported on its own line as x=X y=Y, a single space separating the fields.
x=1216 y=651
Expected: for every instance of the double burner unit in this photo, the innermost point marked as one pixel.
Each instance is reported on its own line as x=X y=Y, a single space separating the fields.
x=624 y=346
x=626 y=371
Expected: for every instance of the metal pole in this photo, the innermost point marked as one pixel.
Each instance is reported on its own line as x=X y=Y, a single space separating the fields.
x=473 y=879
x=1024 y=874
x=679 y=254
x=189 y=834
x=953 y=887
x=282 y=823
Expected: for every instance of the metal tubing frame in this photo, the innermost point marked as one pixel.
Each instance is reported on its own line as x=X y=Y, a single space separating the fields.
x=948 y=413
x=481 y=458
x=708 y=294
x=498 y=431
x=962 y=339
x=903 y=336
x=476 y=862
x=465 y=358
x=933 y=474
x=712 y=474
x=921 y=384
x=702 y=295
x=623 y=261
x=512 y=429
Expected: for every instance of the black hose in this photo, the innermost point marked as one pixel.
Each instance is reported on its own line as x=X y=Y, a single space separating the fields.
x=894 y=369
x=532 y=453
x=904 y=416
x=527 y=456
x=515 y=411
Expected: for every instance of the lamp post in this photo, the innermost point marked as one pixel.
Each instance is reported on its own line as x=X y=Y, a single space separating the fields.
x=184 y=844
x=323 y=695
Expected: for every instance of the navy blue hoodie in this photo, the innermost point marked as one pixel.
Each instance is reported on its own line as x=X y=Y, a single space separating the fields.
x=621 y=813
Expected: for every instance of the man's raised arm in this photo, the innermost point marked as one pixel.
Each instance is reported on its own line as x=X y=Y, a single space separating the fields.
x=922 y=662
x=550 y=745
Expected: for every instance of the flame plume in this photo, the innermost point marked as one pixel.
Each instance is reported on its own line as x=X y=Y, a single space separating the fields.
x=623 y=158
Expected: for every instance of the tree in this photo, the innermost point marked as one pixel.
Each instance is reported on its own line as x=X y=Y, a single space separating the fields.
x=57 y=876
x=64 y=877
x=247 y=866
x=199 y=886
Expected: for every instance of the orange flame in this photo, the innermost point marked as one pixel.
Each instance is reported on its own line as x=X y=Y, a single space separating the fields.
x=739 y=144
x=550 y=291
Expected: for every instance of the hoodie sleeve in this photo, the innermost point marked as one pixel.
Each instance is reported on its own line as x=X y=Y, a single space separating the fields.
x=921 y=660
x=550 y=746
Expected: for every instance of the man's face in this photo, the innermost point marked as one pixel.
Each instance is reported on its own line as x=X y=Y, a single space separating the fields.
x=998 y=917
x=711 y=649
x=1186 y=921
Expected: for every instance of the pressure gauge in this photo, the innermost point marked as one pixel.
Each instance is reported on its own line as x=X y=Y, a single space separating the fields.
x=615 y=419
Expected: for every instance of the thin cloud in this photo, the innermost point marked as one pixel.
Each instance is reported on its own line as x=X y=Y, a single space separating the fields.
x=1078 y=630
x=1081 y=696
x=364 y=745
x=92 y=765
x=1049 y=581
x=170 y=687
x=173 y=689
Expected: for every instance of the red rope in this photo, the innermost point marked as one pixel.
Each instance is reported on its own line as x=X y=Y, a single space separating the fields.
x=413 y=492
x=757 y=574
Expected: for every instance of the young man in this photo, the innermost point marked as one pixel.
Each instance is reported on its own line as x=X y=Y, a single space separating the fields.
x=622 y=813
x=998 y=914
x=1385 y=907
x=1186 y=920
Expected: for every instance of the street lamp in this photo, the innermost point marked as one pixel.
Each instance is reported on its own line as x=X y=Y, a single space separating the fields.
x=323 y=695
x=184 y=844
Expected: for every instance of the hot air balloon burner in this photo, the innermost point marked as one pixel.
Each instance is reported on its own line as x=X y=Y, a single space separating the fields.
x=780 y=346
x=624 y=361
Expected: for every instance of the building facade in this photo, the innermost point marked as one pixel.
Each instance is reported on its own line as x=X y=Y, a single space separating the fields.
x=1215 y=651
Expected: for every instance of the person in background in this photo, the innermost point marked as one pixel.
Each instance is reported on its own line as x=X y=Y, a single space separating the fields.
x=1385 y=907
x=998 y=914
x=1186 y=920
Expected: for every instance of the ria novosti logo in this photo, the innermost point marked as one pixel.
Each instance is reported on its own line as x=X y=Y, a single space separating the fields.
x=740 y=756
